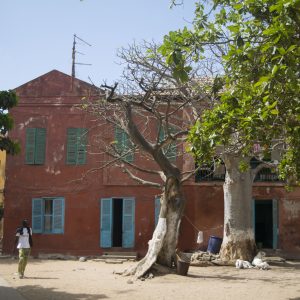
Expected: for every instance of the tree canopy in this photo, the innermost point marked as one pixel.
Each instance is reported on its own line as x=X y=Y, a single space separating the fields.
x=8 y=99
x=257 y=45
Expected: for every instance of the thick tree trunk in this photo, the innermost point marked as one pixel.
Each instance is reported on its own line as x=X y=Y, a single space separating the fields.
x=162 y=246
x=238 y=240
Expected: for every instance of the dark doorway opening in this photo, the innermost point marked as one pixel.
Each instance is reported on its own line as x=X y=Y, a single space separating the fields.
x=264 y=223
x=117 y=227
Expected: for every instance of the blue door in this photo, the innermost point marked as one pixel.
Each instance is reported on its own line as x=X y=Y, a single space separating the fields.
x=275 y=223
x=107 y=217
x=265 y=223
x=106 y=223
x=157 y=209
x=128 y=222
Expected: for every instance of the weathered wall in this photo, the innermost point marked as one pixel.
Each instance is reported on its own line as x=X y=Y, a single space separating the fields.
x=49 y=102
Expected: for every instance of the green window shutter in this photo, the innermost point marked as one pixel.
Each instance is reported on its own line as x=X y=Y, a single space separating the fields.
x=71 y=146
x=275 y=222
x=123 y=144
x=58 y=215
x=171 y=149
x=40 y=145
x=106 y=223
x=30 y=146
x=157 y=209
x=37 y=215
x=128 y=223
x=128 y=146
x=35 y=146
x=119 y=139
x=76 y=146
x=81 y=145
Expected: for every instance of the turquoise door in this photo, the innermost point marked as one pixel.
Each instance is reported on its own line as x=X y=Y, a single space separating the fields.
x=106 y=223
x=128 y=222
x=270 y=222
x=275 y=223
x=157 y=209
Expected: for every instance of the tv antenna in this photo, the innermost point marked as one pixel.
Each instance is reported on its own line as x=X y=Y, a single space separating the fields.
x=75 y=39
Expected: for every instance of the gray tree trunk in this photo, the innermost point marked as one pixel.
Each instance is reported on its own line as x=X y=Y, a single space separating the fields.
x=238 y=239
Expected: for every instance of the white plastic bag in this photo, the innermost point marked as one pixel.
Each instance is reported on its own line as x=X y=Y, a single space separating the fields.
x=200 y=237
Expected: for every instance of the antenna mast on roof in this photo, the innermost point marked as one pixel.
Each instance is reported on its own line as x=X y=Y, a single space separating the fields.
x=74 y=53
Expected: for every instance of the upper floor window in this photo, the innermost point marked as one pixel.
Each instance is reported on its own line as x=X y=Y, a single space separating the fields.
x=76 y=146
x=210 y=172
x=124 y=144
x=170 y=150
x=48 y=215
x=35 y=146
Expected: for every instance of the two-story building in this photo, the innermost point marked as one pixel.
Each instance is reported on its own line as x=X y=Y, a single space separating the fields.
x=77 y=208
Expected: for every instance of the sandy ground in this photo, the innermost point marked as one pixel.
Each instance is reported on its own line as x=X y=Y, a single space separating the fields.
x=58 y=279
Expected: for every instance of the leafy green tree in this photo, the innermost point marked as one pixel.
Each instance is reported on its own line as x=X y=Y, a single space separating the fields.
x=8 y=99
x=257 y=43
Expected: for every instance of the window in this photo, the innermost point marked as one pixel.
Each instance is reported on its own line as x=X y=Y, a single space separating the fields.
x=265 y=174
x=169 y=150
x=76 y=146
x=35 y=146
x=210 y=172
x=123 y=144
x=48 y=215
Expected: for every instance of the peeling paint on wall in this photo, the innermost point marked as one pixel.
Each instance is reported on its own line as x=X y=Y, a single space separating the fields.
x=52 y=171
x=22 y=125
x=292 y=208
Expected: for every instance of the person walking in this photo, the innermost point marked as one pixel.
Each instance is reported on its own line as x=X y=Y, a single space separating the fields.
x=24 y=244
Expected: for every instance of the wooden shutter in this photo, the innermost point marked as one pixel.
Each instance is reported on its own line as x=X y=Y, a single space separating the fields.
x=58 y=215
x=40 y=145
x=37 y=215
x=157 y=209
x=71 y=146
x=123 y=144
x=119 y=139
x=106 y=223
x=169 y=150
x=253 y=216
x=275 y=223
x=30 y=146
x=128 y=223
x=81 y=145
x=76 y=146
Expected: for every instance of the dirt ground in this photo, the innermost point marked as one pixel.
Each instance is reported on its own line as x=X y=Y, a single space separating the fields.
x=59 y=279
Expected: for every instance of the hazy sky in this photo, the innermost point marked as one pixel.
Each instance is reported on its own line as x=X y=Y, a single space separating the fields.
x=36 y=36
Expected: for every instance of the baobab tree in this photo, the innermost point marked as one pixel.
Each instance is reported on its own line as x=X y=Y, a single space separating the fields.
x=258 y=43
x=152 y=112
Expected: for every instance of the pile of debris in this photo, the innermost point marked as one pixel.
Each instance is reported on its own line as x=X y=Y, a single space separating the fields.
x=201 y=258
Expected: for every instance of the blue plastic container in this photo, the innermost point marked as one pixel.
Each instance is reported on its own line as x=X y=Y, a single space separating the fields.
x=214 y=244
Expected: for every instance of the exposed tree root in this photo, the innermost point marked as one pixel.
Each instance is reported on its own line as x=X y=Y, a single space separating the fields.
x=238 y=249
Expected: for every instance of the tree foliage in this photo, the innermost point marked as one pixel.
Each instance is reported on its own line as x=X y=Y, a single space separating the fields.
x=8 y=99
x=259 y=47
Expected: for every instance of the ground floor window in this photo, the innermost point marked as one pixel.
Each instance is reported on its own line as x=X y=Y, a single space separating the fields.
x=48 y=215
